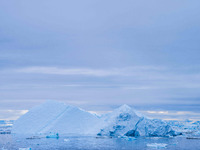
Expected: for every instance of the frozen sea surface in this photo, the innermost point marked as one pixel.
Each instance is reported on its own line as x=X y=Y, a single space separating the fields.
x=11 y=142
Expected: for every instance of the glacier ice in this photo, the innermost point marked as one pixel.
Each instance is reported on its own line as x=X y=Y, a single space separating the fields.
x=53 y=135
x=56 y=117
x=24 y=148
x=185 y=127
x=154 y=127
x=118 y=122
x=125 y=121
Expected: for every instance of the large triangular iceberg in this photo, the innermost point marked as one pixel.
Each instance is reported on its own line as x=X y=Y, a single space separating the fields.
x=55 y=116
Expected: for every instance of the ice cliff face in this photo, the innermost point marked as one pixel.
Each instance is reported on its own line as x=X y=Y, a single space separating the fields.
x=119 y=121
x=125 y=121
x=56 y=117
x=154 y=127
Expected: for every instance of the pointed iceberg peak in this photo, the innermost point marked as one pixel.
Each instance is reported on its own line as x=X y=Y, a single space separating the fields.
x=54 y=103
x=125 y=107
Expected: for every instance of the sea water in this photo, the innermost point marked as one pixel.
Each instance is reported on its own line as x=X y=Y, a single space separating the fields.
x=13 y=142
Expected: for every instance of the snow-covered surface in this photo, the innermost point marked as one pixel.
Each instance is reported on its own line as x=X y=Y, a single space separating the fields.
x=56 y=117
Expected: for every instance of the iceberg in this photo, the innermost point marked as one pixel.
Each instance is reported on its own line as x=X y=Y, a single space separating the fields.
x=56 y=117
x=197 y=123
x=125 y=121
x=119 y=122
x=24 y=148
x=53 y=135
x=185 y=127
x=66 y=140
x=128 y=138
x=154 y=128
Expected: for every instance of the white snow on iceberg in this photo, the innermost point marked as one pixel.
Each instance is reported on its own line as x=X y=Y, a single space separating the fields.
x=56 y=117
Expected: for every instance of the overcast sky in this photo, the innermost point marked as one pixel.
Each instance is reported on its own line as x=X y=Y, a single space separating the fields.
x=98 y=54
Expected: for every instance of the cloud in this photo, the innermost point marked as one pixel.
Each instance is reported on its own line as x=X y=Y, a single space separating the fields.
x=139 y=72
x=11 y=114
x=158 y=112
x=127 y=71
x=68 y=71
x=127 y=78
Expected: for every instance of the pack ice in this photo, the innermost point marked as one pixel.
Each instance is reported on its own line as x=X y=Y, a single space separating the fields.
x=56 y=117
